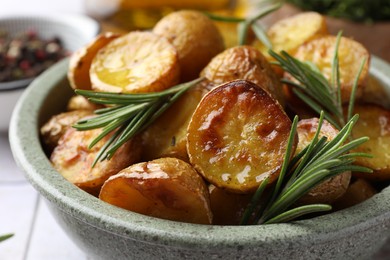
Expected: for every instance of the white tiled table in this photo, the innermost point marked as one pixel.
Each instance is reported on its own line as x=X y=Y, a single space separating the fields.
x=25 y=214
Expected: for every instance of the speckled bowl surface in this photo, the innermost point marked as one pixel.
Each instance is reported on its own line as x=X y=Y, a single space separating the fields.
x=107 y=232
x=74 y=31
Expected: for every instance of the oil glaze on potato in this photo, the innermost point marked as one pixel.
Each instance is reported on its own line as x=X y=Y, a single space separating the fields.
x=247 y=63
x=171 y=127
x=80 y=61
x=73 y=159
x=333 y=188
x=167 y=188
x=136 y=62
x=237 y=136
x=195 y=37
x=374 y=122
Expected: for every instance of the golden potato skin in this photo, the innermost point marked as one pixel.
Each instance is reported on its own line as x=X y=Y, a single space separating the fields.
x=166 y=188
x=137 y=62
x=374 y=122
x=333 y=188
x=167 y=136
x=73 y=159
x=80 y=61
x=320 y=51
x=57 y=125
x=195 y=37
x=247 y=63
x=238 y=136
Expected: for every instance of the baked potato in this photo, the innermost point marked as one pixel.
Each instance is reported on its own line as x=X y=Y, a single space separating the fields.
x=331 y=189
x=80 y=61
x=57 y=125
x=195 y=37
x=73 y=159
x=167 y=188
x=374 y=122
x=238 y=136
x=78 y=102
x=136 y=62
x=247 y=63
x=320 y=51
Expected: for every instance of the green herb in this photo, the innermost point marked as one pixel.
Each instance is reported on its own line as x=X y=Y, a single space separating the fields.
x=314 y=89
x=357 y=10
x=320 y=160
x=5 y=237
x=127 y=114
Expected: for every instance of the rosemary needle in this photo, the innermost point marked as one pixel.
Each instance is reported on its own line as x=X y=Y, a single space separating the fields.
x=127 y=114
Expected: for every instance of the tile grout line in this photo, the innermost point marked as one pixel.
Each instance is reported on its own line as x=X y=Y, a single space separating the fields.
x=32 y=227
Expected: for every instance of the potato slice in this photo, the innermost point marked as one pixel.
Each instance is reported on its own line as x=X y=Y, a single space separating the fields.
x=244 y=62
x=238 y=136
x=195 y=37
x=57 y=125
x=357 y=192
x=289 y=33
x=78 y=102
x=374 y=122
x=80 y=61
x=228 y=208
x=73 y=159
x=333 y=188
x=167 y=136
x=137 y=62
x=320 y=51
x=166 y=188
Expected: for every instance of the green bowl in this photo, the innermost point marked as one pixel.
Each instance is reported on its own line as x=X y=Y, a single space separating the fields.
x=107 y=232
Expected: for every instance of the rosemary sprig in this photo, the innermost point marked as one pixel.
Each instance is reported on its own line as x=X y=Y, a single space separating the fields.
x=5 y=237
x=126 y=115
x=320 y=160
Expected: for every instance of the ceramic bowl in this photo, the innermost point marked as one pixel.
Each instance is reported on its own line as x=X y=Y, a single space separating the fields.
x=104 y=231
x=74 y=32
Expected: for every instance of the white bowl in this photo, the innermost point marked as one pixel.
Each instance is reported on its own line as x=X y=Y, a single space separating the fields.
x=74 y=31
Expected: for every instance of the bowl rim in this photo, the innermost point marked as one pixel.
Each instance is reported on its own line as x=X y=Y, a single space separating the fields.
x=30 y=157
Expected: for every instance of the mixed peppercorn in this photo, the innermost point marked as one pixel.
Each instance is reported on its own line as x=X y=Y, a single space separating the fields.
x=26 y=55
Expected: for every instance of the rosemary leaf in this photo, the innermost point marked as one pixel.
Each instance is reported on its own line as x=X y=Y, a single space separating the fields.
x=5 y=237
x=298 y=212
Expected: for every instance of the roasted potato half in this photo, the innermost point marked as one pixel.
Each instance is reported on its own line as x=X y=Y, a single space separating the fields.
x=237 y=136
x=247 y=63
x=167 y=188
x=171 y=127
x=374 y=122
x=73 y=159
x=80 y=61
x=57 y=125
x=333 y=188
x=289 y=33
x=195 y=37
x=136 y=62
x=320 y=52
